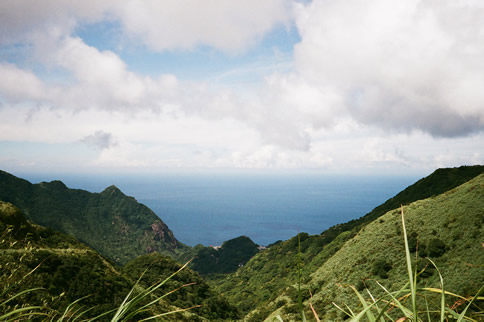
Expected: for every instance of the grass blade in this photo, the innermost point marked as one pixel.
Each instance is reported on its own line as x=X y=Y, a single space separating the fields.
x=366 y=308
x=462 y=315
x=442 y=299
x=411 y=279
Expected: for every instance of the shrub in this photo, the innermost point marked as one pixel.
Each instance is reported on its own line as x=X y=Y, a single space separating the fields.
x=436 y=248
x=381 y=268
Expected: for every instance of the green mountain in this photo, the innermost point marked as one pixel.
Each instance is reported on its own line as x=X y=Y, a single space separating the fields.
x=443 y=212
x=228 y=258
x=66 y=270
x=268 y=282
x=32 y=256
x=440 y=181
x=112 y=223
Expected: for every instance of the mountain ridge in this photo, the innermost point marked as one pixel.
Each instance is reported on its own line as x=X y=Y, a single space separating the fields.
x=275 y=267
x=111 y=222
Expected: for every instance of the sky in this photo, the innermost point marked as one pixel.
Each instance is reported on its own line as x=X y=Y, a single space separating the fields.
x=354 y=86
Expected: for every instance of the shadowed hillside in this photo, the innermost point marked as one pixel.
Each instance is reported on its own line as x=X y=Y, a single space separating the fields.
x=112 y=223
x=65 y=271
x=228 y=258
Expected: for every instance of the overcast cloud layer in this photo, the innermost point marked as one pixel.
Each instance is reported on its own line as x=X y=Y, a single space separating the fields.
x=373 y=84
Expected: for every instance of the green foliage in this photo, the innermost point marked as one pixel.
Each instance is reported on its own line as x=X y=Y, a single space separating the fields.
x=360 y=256
x=381 y=268
x=435 y=248
x=460 y=265
x=227 y=259
x=440 y=181
x=60 y=269
x=112 y=223
x=447 y=227
x=276 y=269
x=66 y=277
x=381 y=309
x=195 y=293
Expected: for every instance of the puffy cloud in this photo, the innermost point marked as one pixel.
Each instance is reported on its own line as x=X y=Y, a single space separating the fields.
x=400 y=65
x=20 y=19
x=175 y=24
x=103 y=76
x=160 y=25
x=18 y=85
x=100 y=140
x=289 y=108
x=95 y=79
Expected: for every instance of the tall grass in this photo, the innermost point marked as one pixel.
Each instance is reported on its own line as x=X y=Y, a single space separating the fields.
x=379 y=309
x=133 y=303
x=136 y=306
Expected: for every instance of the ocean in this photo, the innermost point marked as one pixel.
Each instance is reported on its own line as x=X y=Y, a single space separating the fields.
x=209 y=209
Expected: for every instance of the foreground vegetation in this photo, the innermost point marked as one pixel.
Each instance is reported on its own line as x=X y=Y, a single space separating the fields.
x=59 y=271
x=411 y=302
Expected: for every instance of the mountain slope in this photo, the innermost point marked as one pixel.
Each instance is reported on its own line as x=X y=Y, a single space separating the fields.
x=228 y=258
x=273 y=270
x=196 y=290
x=448 y=228
x=440 y=181
x=112 y=223
x=33 y=256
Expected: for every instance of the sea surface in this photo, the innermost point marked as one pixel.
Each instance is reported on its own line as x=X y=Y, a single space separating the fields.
x=209 y=209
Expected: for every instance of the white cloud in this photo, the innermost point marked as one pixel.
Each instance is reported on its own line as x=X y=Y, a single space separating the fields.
x=17 y=85
x=401 y=65
x=227 y=25
x=20 y=19
x=160 y=25
x=100 y=140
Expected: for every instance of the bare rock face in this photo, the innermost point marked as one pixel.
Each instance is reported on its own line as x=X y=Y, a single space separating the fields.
x=163 y=233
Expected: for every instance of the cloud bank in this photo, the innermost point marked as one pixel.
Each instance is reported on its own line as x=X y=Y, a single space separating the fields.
x=361 y=68
x=399 y=65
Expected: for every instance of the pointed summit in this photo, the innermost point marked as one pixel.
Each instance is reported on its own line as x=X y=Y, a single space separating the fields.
x=112 y=190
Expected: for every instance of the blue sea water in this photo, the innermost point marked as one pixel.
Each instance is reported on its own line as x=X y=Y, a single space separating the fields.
x=210 y=209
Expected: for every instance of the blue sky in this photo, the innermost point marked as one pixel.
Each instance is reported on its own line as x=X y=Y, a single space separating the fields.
x=274 y=50
x=170 y=86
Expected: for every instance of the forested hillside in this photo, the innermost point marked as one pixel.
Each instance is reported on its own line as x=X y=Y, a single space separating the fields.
x=228 y=258
x=60 y=271
x=112 y=223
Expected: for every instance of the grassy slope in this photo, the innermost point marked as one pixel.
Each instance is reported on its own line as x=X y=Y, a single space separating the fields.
x=114 y=224
x=68 y=270
x=213 y=306
x=456 y=218
x=273 y=270
x=440 y=181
